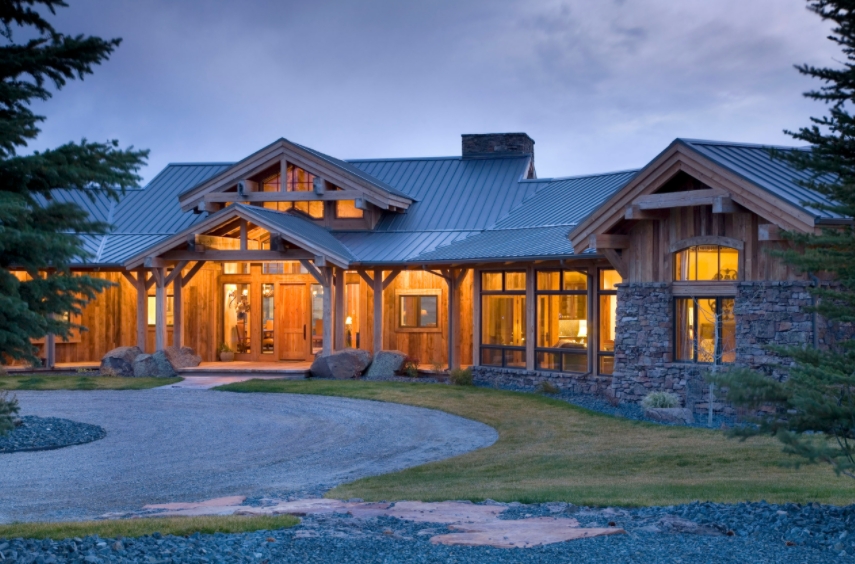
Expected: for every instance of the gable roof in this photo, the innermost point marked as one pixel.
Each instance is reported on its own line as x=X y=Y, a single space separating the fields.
x=777 y=176
x=338 y=172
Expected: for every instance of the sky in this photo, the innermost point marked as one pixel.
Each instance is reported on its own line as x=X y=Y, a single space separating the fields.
x=600 y=85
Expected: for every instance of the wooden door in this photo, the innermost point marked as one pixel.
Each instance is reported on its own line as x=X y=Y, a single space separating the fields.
x=293 y=327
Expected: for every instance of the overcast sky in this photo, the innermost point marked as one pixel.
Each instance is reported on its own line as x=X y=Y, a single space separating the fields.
x=599 y=84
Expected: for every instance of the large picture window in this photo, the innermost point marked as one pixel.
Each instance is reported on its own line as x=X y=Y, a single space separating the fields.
x=705 y=330
x=562 y=320
x=706 y=262
x=417 y=311
x=607 y=295
x=503 y=324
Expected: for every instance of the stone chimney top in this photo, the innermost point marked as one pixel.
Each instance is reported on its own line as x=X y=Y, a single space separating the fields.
x=496 y=144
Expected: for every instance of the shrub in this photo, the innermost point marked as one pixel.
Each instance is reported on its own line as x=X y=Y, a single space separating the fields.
x=437 y=366
x=410 y=367
x=655 y=400
x=547 y=387
x=8 y=412
x=461 y=377
x=224 y=348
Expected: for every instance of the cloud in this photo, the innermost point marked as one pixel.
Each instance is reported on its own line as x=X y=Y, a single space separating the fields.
x=599 y=85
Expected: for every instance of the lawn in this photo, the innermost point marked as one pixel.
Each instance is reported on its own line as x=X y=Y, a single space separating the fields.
x=549 y=450
x=140 y=527
x=42 y=381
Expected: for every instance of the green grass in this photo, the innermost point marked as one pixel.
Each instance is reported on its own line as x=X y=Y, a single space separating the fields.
x=178 y=526
x=549 y=450
x=79 y=382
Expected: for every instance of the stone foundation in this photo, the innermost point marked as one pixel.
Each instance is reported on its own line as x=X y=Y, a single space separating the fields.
x=517 y=378
x=767 y=314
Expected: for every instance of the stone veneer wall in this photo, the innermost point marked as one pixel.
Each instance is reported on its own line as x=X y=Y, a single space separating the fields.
x=767 y=313
x=518 y=378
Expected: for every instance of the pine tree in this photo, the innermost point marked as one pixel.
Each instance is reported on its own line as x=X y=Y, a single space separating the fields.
x=38 y=234
x=813 y=410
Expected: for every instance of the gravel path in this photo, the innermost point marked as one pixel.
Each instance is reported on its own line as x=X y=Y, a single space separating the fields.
x=166 y=445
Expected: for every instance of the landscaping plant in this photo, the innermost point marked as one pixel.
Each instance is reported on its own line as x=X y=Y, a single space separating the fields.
x=659 y=400
x=547 y=387
x=8 y=412
x=41 y=233
x=461 y=377
x=812 y=412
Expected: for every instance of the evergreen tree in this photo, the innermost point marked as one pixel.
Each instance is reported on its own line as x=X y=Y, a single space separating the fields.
x=813 y=411
x=38 y=234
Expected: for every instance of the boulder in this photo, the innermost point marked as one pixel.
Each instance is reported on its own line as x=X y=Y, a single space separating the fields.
x=182 y=357
x=155 y=365
x=120 y=361
x=385 y=364
x=349 y=363
x=681 y=415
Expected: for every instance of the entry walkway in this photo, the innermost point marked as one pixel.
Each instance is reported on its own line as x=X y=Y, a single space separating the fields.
x=292 y=369
x=191 y=382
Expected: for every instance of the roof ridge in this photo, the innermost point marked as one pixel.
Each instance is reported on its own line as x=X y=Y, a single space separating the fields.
x=741 y=144
x=580 y=176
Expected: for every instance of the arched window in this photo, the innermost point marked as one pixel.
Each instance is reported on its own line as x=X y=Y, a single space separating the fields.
x=706 y=259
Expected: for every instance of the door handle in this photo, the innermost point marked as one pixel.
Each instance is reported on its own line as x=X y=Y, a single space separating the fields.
x=304 y=331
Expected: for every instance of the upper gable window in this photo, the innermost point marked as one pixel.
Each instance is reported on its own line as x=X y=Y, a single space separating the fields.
x=298 y=180
x=346 y=209
x=706 y=262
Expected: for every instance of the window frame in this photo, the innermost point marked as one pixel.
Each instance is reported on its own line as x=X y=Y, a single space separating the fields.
x=718 y=330
x=503 y=292
x=420 y=293
x=598 y=349
x=558 y=351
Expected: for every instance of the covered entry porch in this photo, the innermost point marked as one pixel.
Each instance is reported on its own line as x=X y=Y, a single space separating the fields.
x=275 y=290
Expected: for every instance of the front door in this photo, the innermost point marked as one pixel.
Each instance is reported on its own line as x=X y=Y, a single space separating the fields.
x=293 y=344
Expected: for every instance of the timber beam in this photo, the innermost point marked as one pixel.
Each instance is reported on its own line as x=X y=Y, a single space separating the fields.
x=667 y=200
x=324 y=195
x=226 y=256
x=617 y=261
x=602 y=241
x=636 y=213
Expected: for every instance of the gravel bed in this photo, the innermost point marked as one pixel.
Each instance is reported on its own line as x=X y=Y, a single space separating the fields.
x=816 y=534
x=48 y=433
x=167 y=445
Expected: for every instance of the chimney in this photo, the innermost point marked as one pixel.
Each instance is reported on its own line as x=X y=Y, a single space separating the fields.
x=496 y=144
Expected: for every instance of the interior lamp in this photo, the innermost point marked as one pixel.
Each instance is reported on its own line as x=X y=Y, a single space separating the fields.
x=348 y=321
x=583 y=329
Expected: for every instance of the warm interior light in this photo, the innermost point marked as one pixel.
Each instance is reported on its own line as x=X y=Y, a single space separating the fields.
x=348 y=321
x=583 y=328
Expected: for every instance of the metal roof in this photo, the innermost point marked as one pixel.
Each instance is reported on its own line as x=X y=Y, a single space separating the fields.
x=345 y=165
x=390 y=247
x=776 y=176
x=293 y=223
x=451 y=193
x=464 y=209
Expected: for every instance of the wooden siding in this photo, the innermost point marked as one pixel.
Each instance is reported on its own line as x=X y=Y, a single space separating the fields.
x=650 y=259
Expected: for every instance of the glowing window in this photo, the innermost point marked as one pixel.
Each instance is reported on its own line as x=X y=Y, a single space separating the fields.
x=706 y=262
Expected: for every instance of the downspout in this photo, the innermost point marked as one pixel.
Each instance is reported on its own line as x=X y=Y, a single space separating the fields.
x=814 y=302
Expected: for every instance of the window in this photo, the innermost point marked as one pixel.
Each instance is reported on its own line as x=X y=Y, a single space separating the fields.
x=503 y=320
x=346 y=209
x=418 y=311
x=351 y=320
x=236 y=317
x=152 y=311
x=706 y=262
x=607 y=295
x=268 y=318
x=289 y=267
x=705 y=330
x=562 y=320
x=298 y=180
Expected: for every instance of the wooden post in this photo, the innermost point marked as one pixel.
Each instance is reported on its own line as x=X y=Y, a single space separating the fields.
x=142 y=308
x=339 y=342
x=160 y=309
x=530 y=318
x=593 y=320
x=177 y=313
x=450 y=319
x=378 y=310
x=50 y=351
x=328 y=276
x=476 y=317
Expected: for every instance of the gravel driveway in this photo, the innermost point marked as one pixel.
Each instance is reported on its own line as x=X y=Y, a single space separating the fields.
x=167 y=445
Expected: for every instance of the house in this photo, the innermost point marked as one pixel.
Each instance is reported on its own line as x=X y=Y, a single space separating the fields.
x=617 y=283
